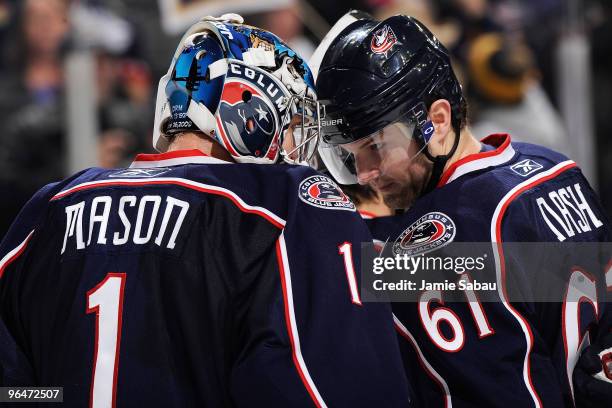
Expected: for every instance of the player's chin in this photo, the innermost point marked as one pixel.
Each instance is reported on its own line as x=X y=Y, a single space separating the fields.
x=399 y=199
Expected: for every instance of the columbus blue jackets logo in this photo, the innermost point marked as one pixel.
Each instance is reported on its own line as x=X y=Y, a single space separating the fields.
x=430 y=232
x=251 y=105
x=382 y=40
x=322 y=192
x=248 y=119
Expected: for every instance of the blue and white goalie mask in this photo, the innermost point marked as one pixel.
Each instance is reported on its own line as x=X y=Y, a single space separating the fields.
x=265 y=108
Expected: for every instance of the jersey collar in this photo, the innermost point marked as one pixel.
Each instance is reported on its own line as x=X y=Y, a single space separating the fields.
x=174 y=158
x=503 y=153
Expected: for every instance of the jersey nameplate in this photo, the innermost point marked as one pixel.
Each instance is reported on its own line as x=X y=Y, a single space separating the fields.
x=567 y=212
x=136 y=221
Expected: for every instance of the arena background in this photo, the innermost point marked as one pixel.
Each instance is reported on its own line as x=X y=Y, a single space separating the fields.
x=78 y=78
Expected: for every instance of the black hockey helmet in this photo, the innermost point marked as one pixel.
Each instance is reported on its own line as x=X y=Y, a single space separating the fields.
x=375 y=74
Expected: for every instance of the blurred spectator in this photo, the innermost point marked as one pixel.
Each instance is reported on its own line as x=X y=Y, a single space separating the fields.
x=113 y=145
x=7 y=11
x=32 y=106
x=31 y=147
x=125 y=104
x=286 y=23
x=124 y=88
x=34 y=54
x=505 y=94
x=600 y=20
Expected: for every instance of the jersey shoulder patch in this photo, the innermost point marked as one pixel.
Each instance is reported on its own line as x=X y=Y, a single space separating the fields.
x=322 y=192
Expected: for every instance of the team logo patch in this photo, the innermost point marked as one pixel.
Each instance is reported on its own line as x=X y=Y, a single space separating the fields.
x=526 y=167
x=322 y=192
x=382 y=40
x=139 y=173
x=430 y=232
x=250 y=124
x=251 y=103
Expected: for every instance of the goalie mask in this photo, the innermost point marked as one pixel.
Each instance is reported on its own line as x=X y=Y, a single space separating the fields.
x=243 y=87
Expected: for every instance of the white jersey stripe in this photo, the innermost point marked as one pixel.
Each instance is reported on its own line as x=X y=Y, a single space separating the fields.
x=448 y=403
x=498 y=254
x=13 y=254
x=505 y=156
x=177 y=161
x=177 y=181
x=295 y=338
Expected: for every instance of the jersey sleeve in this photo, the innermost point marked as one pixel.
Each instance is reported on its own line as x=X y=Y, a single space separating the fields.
x=332 y=349
x=26 y=222
x=16 y=369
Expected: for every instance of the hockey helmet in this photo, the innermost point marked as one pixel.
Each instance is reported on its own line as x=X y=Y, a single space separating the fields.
x=376 y=79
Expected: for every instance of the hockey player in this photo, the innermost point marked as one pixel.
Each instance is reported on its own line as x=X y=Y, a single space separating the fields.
x=190 y=280
x=395 y=119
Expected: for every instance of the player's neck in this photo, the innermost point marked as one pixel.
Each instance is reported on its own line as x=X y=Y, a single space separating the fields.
x=468 y=145
x=190 y=141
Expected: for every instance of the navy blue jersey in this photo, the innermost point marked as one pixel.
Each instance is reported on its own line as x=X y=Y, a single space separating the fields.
x=502 y=352
x=187 y=281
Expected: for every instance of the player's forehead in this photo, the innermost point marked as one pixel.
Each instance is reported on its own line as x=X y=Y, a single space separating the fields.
x=360 y=144
x=394 y=132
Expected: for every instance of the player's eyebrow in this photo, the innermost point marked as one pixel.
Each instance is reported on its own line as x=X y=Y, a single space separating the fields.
x=370 y=139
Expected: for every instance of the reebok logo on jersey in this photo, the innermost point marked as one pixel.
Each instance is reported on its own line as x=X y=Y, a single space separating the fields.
x=431 y=231
x=526 y=167
x=138 y=173
x=322 y=192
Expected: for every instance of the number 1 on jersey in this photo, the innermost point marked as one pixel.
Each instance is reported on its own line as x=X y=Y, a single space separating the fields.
x=346 y=250
x=106 y=301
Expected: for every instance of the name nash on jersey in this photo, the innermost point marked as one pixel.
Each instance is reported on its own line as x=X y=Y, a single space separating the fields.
x=567 y=212
x=137 y=217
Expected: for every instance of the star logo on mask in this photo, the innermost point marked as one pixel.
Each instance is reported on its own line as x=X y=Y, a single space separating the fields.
x=262 y=113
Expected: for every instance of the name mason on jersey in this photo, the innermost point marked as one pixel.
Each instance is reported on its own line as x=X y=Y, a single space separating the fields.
x=567 y=213
x=137 y=218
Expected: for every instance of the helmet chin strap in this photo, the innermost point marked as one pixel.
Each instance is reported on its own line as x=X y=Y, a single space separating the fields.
x=438 y=165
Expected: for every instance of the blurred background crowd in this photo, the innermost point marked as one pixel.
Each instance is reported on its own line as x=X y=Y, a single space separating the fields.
x=78 y=77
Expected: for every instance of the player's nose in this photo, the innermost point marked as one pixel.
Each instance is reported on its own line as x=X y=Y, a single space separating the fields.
x=367 y=169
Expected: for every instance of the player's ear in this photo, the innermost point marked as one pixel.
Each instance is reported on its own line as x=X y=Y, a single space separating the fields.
x=440 y=116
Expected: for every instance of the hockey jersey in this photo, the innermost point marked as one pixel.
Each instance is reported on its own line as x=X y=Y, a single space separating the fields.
x=503 y=352
x=188 y=281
